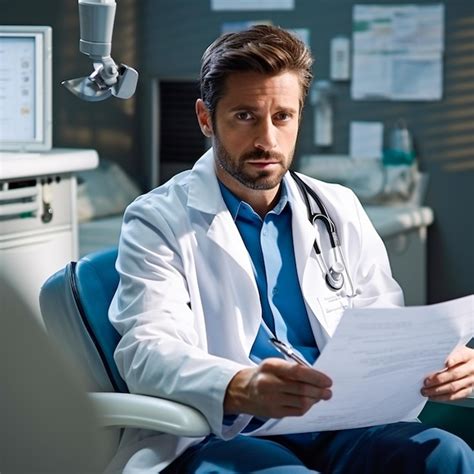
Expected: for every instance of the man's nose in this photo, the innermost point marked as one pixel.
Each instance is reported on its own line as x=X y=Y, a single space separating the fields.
x=266 y=135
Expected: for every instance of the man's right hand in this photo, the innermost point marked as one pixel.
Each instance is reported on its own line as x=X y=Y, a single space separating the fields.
x=275 y=389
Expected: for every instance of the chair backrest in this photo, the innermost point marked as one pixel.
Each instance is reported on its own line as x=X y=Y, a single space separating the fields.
x=74 y=304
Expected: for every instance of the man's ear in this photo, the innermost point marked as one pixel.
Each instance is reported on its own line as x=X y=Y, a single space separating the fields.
x=204 y=118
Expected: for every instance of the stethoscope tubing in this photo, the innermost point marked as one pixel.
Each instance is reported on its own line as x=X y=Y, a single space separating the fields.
x=324 y=217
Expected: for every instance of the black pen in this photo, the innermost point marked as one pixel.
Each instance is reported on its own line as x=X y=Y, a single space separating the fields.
x=288 y=351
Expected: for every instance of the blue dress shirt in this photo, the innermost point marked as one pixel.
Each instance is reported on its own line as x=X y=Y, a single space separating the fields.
x=269 y=242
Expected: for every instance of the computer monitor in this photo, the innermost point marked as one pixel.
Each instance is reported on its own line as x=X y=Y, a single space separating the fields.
x=25 y=88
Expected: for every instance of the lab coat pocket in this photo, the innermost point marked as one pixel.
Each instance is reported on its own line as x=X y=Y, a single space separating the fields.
x=331 y=308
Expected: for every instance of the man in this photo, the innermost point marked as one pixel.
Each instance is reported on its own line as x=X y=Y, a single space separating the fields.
x=221 y=258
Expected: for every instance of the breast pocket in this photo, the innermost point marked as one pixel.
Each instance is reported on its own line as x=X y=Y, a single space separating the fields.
x=331 y=308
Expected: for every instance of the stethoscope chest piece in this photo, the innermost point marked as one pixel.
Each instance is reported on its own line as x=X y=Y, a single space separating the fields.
x=335 y=277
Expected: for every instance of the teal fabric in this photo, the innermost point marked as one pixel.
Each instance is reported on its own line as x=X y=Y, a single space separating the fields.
x=453 y=418
x=95 y=280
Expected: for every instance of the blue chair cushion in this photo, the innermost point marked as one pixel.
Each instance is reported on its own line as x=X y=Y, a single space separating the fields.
x=94 y=282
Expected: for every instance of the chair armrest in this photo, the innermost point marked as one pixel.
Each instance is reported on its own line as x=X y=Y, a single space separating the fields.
x=129 y=410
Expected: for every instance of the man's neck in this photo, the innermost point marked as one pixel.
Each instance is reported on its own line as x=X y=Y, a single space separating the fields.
x=261 y=200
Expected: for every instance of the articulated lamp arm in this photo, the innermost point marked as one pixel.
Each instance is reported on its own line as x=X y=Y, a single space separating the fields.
x=96 y=19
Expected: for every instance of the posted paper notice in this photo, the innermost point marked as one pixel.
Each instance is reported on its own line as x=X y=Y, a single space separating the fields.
x=366 y=139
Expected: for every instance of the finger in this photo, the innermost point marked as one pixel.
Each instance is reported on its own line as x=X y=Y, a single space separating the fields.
x=276 y=403
x=295 y=401
x=454 y=373
x=459 y=355
x=292 y=371
x=310 y=376
x=305 y=390
x=270 y=385
x=453 y=387
x=464 y=393
x=300 y=373
x=296 y=411
x=299 y=405
x=290 y=411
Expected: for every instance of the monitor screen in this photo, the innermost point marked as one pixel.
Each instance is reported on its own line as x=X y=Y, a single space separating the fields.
x=25 y=88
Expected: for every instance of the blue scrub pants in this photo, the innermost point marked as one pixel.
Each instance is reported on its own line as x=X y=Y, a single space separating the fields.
x=397 y=448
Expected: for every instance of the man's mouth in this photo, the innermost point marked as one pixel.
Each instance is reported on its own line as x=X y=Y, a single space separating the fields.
x=263 y=163
x=260 y=156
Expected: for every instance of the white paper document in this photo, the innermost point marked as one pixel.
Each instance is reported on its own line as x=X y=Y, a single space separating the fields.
x=366 y=140
x=378 y=360
x=251 y=5
x=398 y=52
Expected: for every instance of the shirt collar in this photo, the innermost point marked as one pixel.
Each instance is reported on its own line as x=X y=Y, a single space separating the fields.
x=234 y=204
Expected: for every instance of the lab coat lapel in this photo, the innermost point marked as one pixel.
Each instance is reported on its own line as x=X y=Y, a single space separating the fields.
x=224 y=233
x=205 y=196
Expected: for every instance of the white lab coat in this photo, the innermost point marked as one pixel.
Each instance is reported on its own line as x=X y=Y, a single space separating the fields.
x=188 y=307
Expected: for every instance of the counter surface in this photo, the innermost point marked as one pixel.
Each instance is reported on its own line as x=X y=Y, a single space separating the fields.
x=393 y=220
x=57 y=161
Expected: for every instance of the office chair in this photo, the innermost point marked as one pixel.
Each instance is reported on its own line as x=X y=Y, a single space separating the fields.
x=74 y=304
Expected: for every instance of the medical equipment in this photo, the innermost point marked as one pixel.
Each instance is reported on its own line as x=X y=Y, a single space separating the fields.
x=321 y=98
x=340 y=58
x=400 y=150
x=334 y=274
x=25 y=88
x=38 y=225
x=96 y=23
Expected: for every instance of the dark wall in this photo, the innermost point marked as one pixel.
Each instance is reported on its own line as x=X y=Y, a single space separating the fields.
x=111 y=127
x=176 y=32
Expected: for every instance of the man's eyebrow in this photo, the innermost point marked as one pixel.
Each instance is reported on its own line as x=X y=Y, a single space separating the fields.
x=253 y=108
x=288 y=109
x=236 y=108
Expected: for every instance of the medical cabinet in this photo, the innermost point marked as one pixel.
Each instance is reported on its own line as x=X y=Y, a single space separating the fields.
x=38 y=224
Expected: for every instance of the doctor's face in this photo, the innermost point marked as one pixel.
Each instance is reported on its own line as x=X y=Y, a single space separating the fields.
x=255 y=129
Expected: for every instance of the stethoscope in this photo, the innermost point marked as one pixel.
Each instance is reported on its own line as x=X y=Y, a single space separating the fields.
x=334 y=274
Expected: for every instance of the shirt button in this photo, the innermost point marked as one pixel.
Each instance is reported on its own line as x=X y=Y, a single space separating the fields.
x=275 y=291
x=264 y=232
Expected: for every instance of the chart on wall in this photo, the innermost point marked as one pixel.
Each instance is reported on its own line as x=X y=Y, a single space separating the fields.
x=236 y=5
x=398 y=52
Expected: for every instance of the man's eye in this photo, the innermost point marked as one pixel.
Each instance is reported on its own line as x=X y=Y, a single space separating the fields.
x=244 y=116
x=283 y=116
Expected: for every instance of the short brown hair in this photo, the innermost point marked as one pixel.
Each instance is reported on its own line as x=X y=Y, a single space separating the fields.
x=262 y=48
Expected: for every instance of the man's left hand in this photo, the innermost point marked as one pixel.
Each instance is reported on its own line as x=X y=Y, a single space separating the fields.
x=456 y=381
